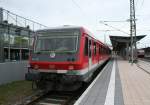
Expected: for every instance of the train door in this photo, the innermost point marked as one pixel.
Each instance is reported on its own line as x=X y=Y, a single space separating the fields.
x=90 y=52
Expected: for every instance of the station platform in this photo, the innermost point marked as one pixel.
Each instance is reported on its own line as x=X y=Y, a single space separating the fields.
x=145 y=65
x=119 y=83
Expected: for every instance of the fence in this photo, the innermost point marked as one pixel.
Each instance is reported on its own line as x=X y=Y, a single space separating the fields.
x=16 y=36
x=12 y=71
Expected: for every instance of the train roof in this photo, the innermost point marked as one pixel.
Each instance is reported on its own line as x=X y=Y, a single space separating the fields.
x=65 y=27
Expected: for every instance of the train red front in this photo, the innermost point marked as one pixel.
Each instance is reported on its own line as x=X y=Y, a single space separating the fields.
x=65 y=56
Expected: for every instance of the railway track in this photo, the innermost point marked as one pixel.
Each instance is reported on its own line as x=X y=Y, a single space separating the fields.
x=144 y=59
x=32 y=98
x=52 y=98
x=144 y=64
x=56 y=97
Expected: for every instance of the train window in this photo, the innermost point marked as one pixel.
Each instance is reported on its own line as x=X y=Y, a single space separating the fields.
x=99 y=49
x=94 y=48
x=90 y=44
x=86 y=47
x=57 y=44
x=102 y=50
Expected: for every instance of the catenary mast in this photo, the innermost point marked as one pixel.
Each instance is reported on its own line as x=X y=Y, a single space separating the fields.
x=133 y=54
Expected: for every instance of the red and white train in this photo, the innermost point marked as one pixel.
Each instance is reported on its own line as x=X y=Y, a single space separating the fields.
x=65 y=57
x=140 y=53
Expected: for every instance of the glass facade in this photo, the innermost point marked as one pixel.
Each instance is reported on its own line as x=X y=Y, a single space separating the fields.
x=16 y=47
x=16 y=36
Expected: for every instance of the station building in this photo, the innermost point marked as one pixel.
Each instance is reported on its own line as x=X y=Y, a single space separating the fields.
x=122 y=45
x=15 y=39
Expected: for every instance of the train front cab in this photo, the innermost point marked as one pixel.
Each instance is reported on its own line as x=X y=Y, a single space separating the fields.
x=90 y=55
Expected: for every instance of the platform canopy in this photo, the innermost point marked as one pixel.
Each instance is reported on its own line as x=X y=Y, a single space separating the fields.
x=119 y=42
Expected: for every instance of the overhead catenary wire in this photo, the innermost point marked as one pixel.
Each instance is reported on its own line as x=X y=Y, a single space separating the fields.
x=116 y=21
x=81 y=10
x=142 y=3
x=139 y=7
x=114 y=28
x=77 y=5
x=136 y=3
x=106 y=30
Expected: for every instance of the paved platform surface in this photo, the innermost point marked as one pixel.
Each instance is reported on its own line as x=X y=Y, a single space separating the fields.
x=135 y=84
x=145 y=65
x=120 y=83
x=106 y=90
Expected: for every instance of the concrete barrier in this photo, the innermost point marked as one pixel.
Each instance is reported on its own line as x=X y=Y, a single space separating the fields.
x=12 y=71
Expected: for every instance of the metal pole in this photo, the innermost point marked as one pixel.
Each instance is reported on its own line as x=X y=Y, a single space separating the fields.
x=132 y=28
x=29 y=32
x=9 y=47
x=1 y=37
x=105 y=36
x=20 y=50
x=16 y=20
x=8 y=33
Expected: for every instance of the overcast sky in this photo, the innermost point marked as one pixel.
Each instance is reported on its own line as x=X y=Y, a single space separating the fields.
x=86 y=13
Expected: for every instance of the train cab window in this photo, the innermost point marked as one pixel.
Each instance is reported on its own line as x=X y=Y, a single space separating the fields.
x=86 y=51
x=94 y=48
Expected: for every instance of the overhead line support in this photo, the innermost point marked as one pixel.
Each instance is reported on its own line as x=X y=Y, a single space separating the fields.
x=133 y=53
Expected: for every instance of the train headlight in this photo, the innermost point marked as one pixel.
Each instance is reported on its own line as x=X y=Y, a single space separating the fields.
x=36 y=67
x=71 y=67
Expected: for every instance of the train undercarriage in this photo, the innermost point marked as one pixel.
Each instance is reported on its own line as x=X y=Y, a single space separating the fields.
x=54 y=81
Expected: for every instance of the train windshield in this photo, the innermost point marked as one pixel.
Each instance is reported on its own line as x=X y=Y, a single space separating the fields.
x=56 y=44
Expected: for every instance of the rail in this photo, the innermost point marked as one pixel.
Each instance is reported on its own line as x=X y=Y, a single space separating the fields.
x=144 y=64
x=58 y=97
